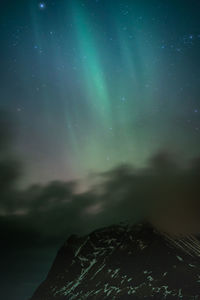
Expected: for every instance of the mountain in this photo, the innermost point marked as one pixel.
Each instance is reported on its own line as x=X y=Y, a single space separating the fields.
x=124 y=262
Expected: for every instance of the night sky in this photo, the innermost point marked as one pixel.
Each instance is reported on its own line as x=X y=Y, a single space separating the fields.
x=98 y=83
x=87 y=86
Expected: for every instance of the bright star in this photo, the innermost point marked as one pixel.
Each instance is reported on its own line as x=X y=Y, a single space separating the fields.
x=42 y=5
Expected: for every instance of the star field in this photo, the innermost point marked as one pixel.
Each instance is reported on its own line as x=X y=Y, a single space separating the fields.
x=94 y=84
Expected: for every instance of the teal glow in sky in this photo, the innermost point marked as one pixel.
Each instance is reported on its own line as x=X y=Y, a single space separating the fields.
x=94 y=84
x=91 y=84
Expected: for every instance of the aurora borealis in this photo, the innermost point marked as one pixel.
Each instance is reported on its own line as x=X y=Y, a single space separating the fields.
x=89 y=85
x=94 y=84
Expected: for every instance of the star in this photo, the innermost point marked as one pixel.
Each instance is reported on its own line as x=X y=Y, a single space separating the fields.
x=42 y=5
x=123 y=98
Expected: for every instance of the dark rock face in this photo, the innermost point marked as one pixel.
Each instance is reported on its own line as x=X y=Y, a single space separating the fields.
x=123 y=262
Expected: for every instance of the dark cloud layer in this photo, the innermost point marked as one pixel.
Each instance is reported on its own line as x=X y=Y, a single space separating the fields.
x=164 y=193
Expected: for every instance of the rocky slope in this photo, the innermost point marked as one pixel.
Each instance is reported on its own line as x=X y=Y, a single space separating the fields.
x=124 y=262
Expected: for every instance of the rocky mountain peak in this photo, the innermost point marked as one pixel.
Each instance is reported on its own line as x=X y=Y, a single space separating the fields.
x=124 y=261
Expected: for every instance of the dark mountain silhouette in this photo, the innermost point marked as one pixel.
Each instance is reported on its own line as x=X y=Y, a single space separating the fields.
x=124 y=262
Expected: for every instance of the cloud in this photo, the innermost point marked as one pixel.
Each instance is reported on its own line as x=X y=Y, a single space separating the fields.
x=165 y=193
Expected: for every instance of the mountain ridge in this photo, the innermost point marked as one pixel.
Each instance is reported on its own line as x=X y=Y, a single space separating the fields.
x=121 y=261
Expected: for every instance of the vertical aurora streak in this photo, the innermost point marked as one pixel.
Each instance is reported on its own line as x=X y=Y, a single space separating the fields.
x=102 y=84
